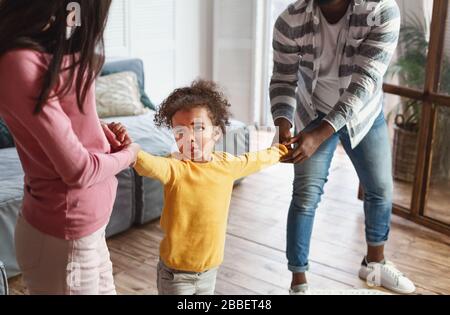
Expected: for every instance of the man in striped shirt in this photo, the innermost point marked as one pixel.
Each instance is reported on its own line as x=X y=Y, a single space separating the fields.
x=330 y=57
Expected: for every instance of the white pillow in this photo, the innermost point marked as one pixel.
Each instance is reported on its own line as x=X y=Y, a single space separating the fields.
x=118 y=95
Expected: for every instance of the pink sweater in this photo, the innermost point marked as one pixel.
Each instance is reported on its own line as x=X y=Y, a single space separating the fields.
x=70 y=183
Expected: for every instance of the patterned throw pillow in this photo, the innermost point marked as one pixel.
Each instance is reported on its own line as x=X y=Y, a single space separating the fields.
x=118 y=95
x=136 y=66
x=6 y=140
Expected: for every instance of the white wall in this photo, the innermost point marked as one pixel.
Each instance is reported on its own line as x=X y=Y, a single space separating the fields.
x=181 y=40
x=233 y=53
x=172 y=37
x=194 y=43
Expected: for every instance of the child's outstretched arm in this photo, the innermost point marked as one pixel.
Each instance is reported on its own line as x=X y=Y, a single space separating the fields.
x=161 y=168
x=254 y=162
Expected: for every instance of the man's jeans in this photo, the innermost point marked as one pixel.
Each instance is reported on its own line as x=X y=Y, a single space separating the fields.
x=372 y=161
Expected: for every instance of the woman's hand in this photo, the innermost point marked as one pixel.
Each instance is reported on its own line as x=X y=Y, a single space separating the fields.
x=117 y=135
x=309 y=141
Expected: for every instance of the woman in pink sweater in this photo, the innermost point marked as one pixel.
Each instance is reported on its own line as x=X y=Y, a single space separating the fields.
x=48 y=64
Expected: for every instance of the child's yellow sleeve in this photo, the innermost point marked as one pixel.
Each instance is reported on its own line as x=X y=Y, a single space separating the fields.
x=160 y=168
x=254 y=162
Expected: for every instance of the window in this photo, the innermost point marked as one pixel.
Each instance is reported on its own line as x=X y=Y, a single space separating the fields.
x=419 y=93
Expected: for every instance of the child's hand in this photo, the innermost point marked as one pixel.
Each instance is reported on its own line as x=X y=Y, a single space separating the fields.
x=117 y=135
x=135 y=149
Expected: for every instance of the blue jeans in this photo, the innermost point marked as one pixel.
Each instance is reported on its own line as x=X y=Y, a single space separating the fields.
x=372 y=161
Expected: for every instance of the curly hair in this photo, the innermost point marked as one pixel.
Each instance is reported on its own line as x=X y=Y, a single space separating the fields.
x=201 y=93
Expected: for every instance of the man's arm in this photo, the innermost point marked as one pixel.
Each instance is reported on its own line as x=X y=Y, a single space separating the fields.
x=284 y=81
x=370 y=65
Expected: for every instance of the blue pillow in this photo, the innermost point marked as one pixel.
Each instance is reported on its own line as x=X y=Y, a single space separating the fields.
x=6 y=140
x=136 y=66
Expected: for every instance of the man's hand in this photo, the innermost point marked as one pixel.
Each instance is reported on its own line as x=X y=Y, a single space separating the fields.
x=117 y=135
x=308 y=142
x=283 y=136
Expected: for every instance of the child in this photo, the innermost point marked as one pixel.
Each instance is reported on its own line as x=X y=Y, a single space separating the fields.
x=198 y=184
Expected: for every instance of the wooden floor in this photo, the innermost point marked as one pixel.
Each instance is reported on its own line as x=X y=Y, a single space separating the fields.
x=437 y=204
x=255 y=260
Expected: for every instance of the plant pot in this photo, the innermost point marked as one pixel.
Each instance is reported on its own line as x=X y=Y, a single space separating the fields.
x=405 y=154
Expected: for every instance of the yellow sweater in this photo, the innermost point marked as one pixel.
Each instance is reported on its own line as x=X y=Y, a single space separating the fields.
x=196 y=202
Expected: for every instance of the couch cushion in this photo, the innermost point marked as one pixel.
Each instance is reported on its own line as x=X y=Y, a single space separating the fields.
x=123 y=214
x=3 y=280
x=11 y=194
x=136 y=66
x=11 y=173
x=157 y=141
x=6 y=140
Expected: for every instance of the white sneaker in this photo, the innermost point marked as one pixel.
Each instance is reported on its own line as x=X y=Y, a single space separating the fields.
x=386 y=275
x=301 y=289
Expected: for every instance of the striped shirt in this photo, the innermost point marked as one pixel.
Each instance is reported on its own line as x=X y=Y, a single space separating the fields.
x=369 y=41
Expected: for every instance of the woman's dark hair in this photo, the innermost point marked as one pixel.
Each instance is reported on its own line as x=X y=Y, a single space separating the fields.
x=24 y=24
x=201 y=93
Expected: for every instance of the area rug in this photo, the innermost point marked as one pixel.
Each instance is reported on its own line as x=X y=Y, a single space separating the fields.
x=347 y=292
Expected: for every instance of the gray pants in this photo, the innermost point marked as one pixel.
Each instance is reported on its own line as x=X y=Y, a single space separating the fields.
x=174 y=282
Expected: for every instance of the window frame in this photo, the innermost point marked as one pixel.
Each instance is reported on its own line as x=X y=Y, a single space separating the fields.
x=431 y=99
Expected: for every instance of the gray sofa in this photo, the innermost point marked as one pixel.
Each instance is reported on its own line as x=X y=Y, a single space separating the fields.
x=139 y=200
x=3 y=280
